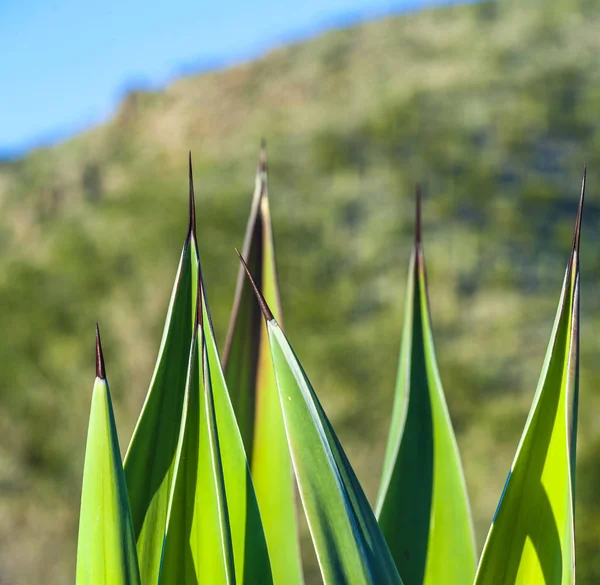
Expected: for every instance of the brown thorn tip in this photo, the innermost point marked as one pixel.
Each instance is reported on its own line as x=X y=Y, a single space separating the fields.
x=577 y=233
x=100 y=369
x=262 y=157
x=268 y=315
x=192 y=220
x=418 y=234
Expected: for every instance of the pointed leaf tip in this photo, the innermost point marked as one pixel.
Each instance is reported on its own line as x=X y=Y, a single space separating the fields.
x=418 y=236
x=262 y=166
x=100 y=368
x=268 y=315
x=577 y=232
x=192 y=220
x=262 y=157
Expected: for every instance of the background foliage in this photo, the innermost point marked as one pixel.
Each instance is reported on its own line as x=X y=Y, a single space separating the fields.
x=493 y=106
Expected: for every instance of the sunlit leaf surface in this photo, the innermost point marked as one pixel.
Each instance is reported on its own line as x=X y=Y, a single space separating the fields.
x=198 y=545
x=106 y=553
x=253 y=390
x=531 y=540
x=151 y=457
x=234 y=511
x=348 y=542
x=422 y=507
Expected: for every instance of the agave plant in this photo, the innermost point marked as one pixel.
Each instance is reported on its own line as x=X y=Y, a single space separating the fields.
x=423 y=482
x=206 y=494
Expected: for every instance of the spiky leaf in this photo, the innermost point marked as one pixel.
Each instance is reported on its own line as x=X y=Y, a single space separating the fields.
x=251 y=559
x=151 y=457
x=198 y=546
x=349 y=544
x=251 y=381
x=422 y=506
x=252 y=564
x=531 y=540
x=106 y=553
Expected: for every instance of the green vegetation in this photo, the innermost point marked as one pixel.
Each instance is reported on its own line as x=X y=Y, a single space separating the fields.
x=105 y=524
x=198 y=518
x=492 y=106
x=253 y=390
x=423 y=507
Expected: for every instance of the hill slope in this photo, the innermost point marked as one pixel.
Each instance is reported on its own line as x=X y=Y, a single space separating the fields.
x=494 y=107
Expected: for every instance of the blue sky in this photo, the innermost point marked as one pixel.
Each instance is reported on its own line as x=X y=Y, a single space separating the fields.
x=65 y=64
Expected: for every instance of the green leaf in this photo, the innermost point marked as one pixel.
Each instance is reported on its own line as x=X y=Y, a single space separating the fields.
x=531 y=540
x=253 y=389
x=151 y=457
x=250 y=555
x=106 y=553
x=198 y=546
x=422 y=507
x=252 y=565
x=349 y=544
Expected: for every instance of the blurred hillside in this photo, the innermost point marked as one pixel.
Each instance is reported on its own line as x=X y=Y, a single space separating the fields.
x=494 y=107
